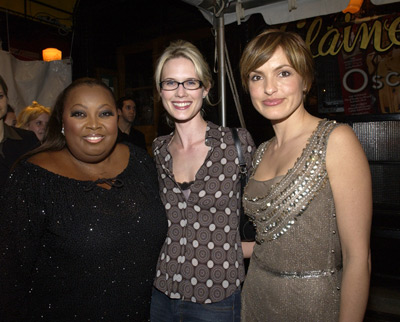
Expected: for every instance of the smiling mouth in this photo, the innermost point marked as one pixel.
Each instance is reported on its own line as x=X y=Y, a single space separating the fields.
x=94 y=138
x=182 y=105
x=273 y=102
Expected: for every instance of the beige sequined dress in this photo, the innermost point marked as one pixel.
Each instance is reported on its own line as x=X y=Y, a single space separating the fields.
x=295 y=270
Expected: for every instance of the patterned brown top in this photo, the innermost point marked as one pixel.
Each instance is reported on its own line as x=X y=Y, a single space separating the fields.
x=201 y=259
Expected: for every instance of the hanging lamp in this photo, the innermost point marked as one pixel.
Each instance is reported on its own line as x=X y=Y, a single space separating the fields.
x=50 y=54
x=353 y=6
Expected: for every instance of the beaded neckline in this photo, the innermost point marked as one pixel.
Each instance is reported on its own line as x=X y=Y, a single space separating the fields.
x=276 y=212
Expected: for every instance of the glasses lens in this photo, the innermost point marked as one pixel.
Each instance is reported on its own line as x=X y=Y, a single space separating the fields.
x=192 y=84
x=169 y=85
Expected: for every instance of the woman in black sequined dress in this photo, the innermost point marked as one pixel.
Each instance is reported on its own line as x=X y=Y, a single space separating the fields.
x=82 y=224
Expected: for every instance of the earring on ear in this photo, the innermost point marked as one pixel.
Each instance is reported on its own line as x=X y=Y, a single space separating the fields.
x=62 y=130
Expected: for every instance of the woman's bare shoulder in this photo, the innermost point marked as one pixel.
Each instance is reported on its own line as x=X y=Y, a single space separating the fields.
x=344 y=147
x=47 y=160
x=343 y=136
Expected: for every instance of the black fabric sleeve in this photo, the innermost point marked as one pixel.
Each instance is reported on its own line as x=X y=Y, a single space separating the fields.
x=21 y=226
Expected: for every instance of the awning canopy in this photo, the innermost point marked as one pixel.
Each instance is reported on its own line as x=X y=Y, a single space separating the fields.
x=273 y=11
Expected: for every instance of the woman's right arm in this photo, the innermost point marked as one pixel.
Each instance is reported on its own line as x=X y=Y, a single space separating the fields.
x=21 y=223
x=247 y=248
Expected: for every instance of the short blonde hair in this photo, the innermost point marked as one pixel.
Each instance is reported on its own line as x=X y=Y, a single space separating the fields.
x=30 y=113
x=259 y=50
x=185 y=49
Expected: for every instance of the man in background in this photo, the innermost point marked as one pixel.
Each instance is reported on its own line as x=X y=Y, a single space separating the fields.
x=14 y=142
x=126 y=116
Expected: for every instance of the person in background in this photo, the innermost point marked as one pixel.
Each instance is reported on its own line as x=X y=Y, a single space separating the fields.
x=309 y=196
x=34 y=118
x=13 y=142
x=10 y=119
x=200 y=268
x=126 y=116
x=81 y=220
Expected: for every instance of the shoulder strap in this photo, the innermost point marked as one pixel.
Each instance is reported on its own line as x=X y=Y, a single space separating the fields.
x=246 y=228
x=242 y=161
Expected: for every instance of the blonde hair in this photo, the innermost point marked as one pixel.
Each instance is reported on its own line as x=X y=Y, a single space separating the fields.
x=259 y=50
x=185 y=49
x=30 y=113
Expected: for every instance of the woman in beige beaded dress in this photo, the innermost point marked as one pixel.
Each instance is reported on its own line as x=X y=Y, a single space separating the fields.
x=309 y=196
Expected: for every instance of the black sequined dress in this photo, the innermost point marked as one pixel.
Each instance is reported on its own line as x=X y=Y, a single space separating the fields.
x=296 y=267
x=73 y=251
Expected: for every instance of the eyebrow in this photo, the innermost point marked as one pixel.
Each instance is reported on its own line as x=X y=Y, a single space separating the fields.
x=174 y=79
x=85 y=107
x=276 y=68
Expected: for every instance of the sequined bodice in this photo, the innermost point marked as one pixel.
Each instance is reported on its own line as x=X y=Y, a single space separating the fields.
x=278 y=209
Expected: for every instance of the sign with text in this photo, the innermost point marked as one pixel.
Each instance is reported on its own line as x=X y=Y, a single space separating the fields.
x=357 y=62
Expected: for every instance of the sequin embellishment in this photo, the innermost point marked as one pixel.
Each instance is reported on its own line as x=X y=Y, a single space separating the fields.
x=276 y=212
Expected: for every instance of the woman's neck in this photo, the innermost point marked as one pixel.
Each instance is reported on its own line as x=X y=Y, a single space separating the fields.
x=293 y=127
x=188 y=133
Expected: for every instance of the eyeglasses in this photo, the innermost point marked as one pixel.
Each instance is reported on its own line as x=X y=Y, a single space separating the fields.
x=190 y=84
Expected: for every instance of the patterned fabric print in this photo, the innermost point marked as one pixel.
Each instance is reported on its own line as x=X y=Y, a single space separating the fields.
x=201 y=259
x=275 y=213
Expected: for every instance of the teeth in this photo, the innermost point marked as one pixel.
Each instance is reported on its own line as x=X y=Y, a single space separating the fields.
x=181 y=104
x=93 y=138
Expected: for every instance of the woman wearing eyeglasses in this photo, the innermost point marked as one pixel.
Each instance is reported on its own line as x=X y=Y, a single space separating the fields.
x=200 y=267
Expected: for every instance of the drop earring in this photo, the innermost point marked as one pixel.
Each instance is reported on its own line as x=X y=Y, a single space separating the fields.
x=62 y=130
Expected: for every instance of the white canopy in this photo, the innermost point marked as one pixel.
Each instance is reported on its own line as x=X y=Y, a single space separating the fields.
x=273 y=11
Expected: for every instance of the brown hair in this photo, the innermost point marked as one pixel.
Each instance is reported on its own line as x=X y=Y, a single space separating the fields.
x=259 y=50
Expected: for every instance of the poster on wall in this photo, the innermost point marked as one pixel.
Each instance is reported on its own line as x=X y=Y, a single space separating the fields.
x=371 y=72
x=357 y=94
x=357 y=62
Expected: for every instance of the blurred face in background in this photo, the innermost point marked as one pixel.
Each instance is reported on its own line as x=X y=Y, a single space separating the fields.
x=39 y=125
x=3 y=103
x=128 y=111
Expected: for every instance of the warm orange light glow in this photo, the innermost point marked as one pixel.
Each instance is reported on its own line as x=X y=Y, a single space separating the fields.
x=50 y=54
x=353 y=6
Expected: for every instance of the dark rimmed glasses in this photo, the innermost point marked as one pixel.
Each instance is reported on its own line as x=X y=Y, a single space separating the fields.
x=190 y=84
